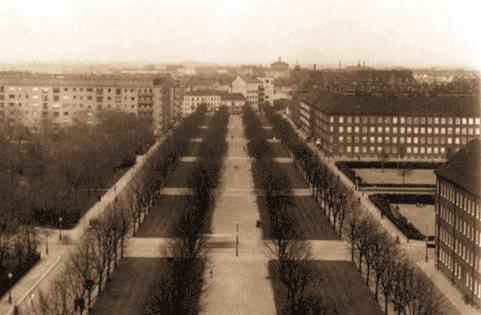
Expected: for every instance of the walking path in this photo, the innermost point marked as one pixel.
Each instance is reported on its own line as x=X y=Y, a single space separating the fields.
x=224 y=245
x=233 y=192
x=238 y=284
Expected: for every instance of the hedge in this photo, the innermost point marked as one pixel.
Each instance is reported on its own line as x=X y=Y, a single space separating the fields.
x=384 y=201
x=347 y=169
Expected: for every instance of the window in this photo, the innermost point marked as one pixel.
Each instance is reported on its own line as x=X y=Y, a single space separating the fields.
x=416 y=129
x=402 y=129
x=409 y=120
x=402 y=120
x=341 y=119
x=341 y=129
x=394 y=120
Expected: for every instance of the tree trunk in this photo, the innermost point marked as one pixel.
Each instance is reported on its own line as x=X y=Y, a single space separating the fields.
x=368 y=266
x=386 y=297
x=376 y=293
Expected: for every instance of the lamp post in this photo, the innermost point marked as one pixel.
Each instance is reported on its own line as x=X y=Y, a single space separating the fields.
x=10 y=275
x=46 y=243
x=60 y=219
x=427 y=227
x=237 y=240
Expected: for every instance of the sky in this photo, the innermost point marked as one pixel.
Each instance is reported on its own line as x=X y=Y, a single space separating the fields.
x=408 y=33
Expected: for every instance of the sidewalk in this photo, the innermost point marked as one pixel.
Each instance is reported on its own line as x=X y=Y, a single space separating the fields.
x=238 y=284
x=446 y=287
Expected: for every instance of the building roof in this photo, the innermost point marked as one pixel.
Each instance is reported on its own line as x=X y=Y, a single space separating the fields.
x=463 y=168
x=401 y=105
x=202 y=93
x=78 y=80
x=232 y=96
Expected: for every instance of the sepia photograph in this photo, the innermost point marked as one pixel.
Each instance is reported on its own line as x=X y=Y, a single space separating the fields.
x=240 y=157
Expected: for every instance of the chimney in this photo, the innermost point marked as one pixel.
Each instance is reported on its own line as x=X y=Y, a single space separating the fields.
x=314 y=67
x=364 y=64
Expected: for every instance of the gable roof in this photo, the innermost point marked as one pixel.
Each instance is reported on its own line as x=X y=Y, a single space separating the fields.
x=462 y=168
x=407 y=105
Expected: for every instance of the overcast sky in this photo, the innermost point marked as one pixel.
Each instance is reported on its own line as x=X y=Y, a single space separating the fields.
x=382 y=32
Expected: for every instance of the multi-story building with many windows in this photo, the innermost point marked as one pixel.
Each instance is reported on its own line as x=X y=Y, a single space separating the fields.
x=212 y=100
x=32 y=99
x=254 y=90
x=458 y=220
x=352 y=126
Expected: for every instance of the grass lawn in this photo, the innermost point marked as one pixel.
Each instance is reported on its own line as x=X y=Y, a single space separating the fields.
x=296 y=179
x=163 y=217
x=339 y=283
x=277 y=150
x=130 y=286
x=392 y=176
x=295 y=176
x=423 y=217
x=191 y=149
x=306 y=212
x=181 y=175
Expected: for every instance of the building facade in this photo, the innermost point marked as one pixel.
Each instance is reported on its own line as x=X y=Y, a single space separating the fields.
x=352 y=126
x=33 y=99
x=254 y=90
x=458 y=221
x=213 y=100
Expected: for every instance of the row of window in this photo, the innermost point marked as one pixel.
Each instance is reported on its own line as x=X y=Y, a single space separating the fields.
x=471 y=282
x=402 y=140
x=460 y=199
x=406 y=120
x=463 y=228
x=409 y=130
x=391 y=149
x=74 y=89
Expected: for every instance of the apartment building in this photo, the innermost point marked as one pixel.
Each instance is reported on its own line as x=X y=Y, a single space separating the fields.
x=458 y=221
x=421 y=127
x=254 y=89
x=32 y=99
x=212 y=99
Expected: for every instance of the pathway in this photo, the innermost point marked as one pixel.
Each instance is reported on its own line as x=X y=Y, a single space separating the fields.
x=238 y=285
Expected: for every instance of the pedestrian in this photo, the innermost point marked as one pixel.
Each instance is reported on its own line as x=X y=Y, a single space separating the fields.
x=211 y=273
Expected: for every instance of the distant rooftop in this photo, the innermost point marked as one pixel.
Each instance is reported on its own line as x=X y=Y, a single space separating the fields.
x=400 y=105
x=463 y=168
x=78 y=80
